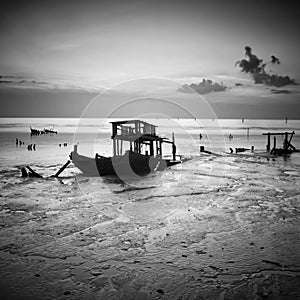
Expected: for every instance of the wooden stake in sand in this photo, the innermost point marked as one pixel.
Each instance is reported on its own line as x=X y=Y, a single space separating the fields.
x=33 y=173
x=62 y=168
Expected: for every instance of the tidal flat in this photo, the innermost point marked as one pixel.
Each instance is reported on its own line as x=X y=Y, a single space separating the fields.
x=215 y=227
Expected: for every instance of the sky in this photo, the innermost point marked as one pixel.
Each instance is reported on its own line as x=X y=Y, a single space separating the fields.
x=57 y=56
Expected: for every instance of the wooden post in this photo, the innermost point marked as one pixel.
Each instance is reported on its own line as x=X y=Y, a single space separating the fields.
x=114 y=147
x=248 y=133
x=173 y=146
x=136 y=126
x=151 y=149
x=269 y=141
x=289 y=142
x=33 y=174
x=135 y=147
x=291 y=136
x=138 y=146
x=62 y=168
x=24 y=172
x=75 y=148
x=274 y=146
x=286 y=141
x=118 y=150
x=114 y=130
x=160 y=148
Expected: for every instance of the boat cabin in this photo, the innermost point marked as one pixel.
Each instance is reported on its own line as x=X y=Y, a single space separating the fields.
x=139 y=136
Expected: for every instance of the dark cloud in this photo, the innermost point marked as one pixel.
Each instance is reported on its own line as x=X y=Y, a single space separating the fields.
x=9 y=79
x=256 y=68
x=22 y=82
x=280 y=91
x=274 y=60
x=204 y=87
x=17 y=80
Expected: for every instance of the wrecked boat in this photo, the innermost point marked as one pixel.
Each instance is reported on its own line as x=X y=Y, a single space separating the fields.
x=287 y=147
x=34 y=131
x=137 y=150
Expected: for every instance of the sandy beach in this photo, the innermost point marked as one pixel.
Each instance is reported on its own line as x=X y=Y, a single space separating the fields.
x=216 y=227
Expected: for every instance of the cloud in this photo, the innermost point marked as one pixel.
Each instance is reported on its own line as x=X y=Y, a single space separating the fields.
x=202 y=88
x=274 y=60
x=19 y=82
x=9 y=76
x=256 y=68
x=273 y=91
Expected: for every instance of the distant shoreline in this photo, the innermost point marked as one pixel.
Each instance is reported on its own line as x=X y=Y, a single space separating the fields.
x=175 y=118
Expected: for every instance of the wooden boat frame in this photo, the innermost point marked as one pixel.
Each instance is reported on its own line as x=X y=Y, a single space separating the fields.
x=142 y=155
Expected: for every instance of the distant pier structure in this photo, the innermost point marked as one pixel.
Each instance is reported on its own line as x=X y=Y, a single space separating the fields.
x=34 y=131
x=287 y=147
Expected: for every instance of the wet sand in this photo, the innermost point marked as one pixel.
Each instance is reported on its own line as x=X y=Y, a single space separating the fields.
x=188 y=233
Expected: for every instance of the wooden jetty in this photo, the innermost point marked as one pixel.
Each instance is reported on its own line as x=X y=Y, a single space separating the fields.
x=137 y=149
x=287 y=147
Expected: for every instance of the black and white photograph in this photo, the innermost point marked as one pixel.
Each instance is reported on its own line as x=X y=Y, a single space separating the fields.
x=149 y=150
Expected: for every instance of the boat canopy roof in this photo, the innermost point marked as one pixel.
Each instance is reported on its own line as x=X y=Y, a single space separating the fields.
x=136 y=131
x=128 y=122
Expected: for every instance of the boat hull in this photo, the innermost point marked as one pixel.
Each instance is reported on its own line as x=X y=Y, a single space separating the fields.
x=131 y=164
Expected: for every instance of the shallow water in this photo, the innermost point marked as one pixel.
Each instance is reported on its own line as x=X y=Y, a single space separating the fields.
x=219 y=226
